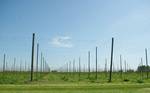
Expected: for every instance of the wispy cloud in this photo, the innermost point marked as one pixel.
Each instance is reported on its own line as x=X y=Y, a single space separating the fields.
x=62 y=41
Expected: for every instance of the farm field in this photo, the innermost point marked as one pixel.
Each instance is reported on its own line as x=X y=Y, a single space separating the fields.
x=71 y=77
x=63 y=82
x=74 y=46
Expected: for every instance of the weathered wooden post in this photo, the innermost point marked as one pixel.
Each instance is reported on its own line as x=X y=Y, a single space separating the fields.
x=96 y=62
x=111 y=61
x=32 y=58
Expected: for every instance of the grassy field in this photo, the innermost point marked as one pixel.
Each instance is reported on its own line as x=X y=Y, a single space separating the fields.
x=19 y=82
x=76 y=88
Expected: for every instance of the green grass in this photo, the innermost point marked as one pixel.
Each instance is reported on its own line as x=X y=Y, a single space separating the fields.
x=19 y=82
x=76 y=88
x=62 y=77
x=18 y=77
x=83 y=91
x=54 y=78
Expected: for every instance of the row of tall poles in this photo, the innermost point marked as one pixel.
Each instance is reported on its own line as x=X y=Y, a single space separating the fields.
x=111 y=64
x=16 y=66
x=22 y=66
x=45 y=67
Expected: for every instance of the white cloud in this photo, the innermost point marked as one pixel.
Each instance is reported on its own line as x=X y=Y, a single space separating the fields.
x=62 y=41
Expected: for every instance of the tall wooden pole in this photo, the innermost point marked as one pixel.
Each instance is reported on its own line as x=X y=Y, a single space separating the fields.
x=14 y=64
x=6 y=68
x=125 y=69
x=25 y=69
x=67 y=69
x=41 y=61
x=37 y=57
x=120 y=66
x=89 y=64
x=20 y=65
x=96 y=63
x=74 y=66
x=4 y=62
x=141 y=69
x=32 y=58
x=79 y=68
x=125 y=66
x=43 y=64
x=147 y=71
x=111 y=61
x=105 y=67
x=70 y=68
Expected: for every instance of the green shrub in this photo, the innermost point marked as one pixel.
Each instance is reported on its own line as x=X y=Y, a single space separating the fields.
x=140 y=81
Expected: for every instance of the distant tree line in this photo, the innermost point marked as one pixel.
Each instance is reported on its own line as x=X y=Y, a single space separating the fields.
x=143 y=68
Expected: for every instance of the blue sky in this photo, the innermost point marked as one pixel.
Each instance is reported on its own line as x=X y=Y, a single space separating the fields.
x=67 y=29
